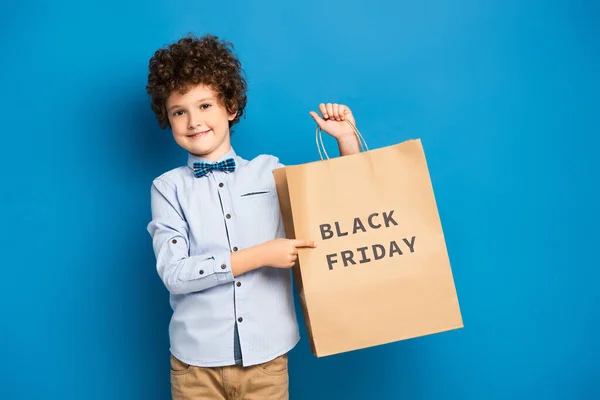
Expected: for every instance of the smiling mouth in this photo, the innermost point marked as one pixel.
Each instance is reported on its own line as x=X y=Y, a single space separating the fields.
x=199 y=134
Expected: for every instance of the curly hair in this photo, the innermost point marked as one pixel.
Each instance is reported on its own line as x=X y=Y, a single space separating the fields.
x=192 y=61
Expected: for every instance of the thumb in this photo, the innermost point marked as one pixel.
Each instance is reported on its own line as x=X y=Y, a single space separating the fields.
x=320 y=121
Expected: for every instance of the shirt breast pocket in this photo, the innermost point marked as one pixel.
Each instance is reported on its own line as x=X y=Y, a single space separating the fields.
x=260 y=214
x=260 y=192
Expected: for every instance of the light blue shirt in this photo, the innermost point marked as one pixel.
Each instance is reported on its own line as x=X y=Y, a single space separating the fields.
x=196 y=224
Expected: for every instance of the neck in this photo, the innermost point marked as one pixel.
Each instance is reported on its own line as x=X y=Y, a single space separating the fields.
x=215 y=155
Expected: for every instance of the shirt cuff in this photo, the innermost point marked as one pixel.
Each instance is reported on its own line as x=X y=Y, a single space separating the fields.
x=223 y=267
x=217 y=268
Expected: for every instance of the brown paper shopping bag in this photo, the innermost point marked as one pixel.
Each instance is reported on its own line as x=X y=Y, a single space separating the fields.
x=380 y=272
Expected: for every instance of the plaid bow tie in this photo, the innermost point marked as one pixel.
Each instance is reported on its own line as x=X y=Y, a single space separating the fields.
x=201 y=169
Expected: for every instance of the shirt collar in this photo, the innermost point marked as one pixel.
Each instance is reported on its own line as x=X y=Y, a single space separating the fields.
x=192 y=158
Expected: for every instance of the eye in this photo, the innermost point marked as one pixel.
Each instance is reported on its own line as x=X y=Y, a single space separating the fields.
x=205 y=106
x=178 y=113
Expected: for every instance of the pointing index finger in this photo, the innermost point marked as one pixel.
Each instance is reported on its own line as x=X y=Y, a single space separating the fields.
x=305 y=243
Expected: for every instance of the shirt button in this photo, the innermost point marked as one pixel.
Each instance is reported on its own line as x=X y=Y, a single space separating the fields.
x=228 y=216
x=221 y=184
x=238 y=284
x=240 y=319
x=174 y=241
x=223 y=266
x=201 y=272
x=235 y=249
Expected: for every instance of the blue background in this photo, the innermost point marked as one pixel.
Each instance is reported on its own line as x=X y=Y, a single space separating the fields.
x=504 y=95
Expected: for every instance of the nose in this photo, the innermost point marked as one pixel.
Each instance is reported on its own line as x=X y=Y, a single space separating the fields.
x=195 y=120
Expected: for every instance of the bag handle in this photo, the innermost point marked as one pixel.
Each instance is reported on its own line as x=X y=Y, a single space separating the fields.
x=319 y=138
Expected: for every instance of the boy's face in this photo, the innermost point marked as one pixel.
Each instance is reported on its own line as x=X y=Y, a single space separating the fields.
x=200 y=123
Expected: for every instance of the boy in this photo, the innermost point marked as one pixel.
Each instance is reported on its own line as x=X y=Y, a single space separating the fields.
x=217 y=231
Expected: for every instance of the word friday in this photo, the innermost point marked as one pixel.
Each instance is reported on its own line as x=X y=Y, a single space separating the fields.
x=363 y=254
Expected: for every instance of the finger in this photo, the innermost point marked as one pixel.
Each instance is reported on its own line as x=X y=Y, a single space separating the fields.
x=304 y=243
x=329 y=108
x=336 y=111
x=343 y=111
x=323 y=110
x=320 y=121
x=347 y=114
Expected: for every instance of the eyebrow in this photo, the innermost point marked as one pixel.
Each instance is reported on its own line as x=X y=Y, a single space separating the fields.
x=199 y=101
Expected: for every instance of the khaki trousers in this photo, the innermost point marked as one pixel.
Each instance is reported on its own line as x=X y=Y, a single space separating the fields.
x=268 y=381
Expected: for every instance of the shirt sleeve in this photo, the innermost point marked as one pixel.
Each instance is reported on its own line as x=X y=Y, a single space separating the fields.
x=278 y=163
x=180 y=272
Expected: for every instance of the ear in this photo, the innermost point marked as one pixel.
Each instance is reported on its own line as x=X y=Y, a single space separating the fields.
x=231 y=117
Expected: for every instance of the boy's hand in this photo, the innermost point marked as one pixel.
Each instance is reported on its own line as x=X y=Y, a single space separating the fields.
x=333 y=120
x=283 y=253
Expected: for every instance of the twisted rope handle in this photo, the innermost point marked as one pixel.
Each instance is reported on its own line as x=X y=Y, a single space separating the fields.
x=319 y=139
